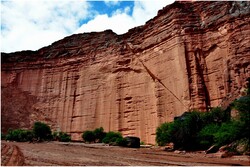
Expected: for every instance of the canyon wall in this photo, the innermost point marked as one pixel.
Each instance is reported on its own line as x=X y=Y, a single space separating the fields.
x=192 y=55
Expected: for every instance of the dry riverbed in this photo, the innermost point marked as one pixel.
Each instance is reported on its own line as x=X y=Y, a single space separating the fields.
x=74 y=154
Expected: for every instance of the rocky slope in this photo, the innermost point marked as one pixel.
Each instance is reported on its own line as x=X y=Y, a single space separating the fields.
x=192 y=55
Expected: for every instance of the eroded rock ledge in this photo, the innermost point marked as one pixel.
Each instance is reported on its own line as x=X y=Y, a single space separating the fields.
x=191 y=55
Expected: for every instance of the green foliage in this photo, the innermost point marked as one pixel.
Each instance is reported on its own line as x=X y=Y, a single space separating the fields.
x=61 y=136
x=243 y=106
x=163 y=133
x=121 y=142
x=19 y=135
x=99 y=134
x=94 y=136
x=206 y=135
x=112 y=137
x=215 y=116
x=227 y=133
x=42 y=131
x=196 y=130
x=88 y=136
x=185 y=130
x=64 y=137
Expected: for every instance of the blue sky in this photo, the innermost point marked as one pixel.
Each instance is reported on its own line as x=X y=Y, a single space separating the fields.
x=32 y=24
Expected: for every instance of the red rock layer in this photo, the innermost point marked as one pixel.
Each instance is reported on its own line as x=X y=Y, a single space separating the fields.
x=192 y=55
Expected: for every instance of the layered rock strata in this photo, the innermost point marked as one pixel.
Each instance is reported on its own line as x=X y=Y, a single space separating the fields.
x=192 y=55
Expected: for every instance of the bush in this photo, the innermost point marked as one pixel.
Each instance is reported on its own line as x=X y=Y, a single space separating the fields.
x=243 y=106
x=185 y=129
x=61 y=136
x=64 y=137
x=196 y=130
x=112 y=137
x=88 y=136
x=216 y=116
x=227 y=133
x=42 y=131
x=99 y=134
x=20 y=135
x=121 y=142
x=164 y=133
x=94 y=136
x=206 y=135
x=185 y=133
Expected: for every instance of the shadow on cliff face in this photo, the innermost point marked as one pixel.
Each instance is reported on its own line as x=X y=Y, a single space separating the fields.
x=16 y=108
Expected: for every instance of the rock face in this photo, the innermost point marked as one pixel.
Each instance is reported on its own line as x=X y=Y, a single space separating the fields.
x=192 y=55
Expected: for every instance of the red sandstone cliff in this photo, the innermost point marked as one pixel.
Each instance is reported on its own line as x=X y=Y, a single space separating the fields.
x=191 y=55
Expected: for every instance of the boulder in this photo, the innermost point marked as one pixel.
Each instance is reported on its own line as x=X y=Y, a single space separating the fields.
x=133 y=142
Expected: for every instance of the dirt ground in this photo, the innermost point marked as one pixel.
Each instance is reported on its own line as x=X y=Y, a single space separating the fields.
x=74 y=154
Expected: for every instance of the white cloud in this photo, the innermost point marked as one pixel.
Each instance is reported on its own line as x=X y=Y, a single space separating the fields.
x=30 y=25
x=120 y=21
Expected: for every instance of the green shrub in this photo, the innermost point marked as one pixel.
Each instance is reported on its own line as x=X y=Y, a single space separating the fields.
x=164 y=133
x=88 y=136
x=227 y=133
x=216 y=116
x=112 y=137
x=185 y=131
x=19 y=135
x=64 y=137
x=196 y=130
x=206 y=135
x=121 y=142
x=61 y=136
x=99 y=134
x=42 y=131
x=243 y=106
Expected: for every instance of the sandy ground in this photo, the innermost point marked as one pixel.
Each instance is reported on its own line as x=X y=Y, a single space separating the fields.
x=74 y=154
